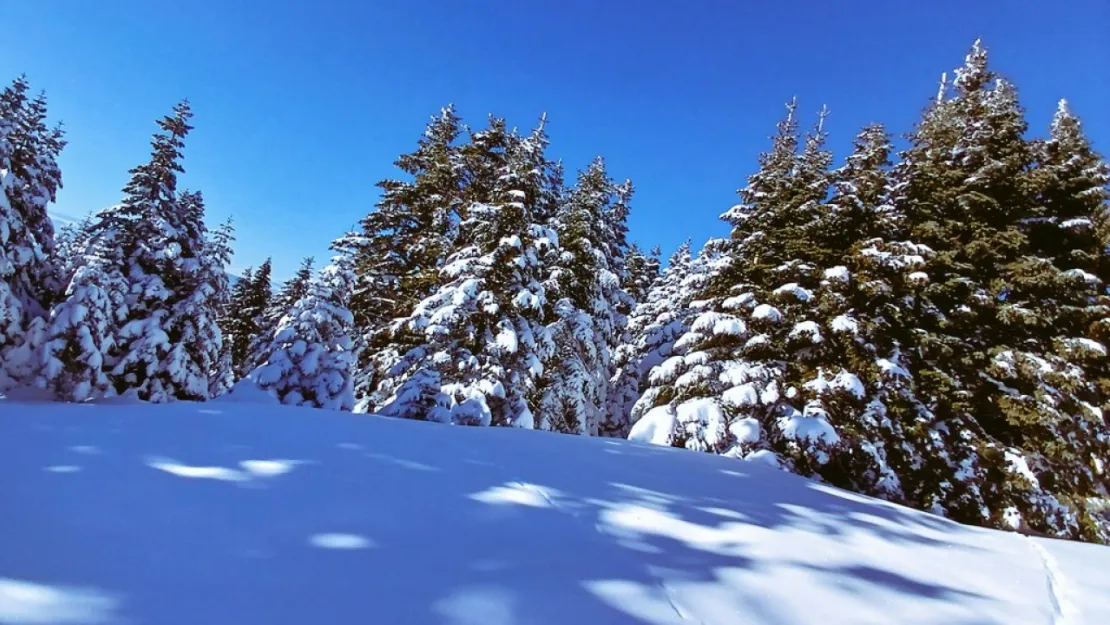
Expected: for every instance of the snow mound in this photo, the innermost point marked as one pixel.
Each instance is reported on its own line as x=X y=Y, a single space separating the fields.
x=187 y=513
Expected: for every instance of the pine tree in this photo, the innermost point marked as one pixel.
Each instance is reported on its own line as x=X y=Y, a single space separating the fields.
x=291 y=292
x=73 y=243
x=245 y=320
x=169 y=345
x=29 y=180
x=1050 y=368
x=80 y=336
x=311 y=355
x=217 y=256
x=654 y=326
x=402 y=244
x=962 y=188
x=233 y=324
x=484 y=338
x=586 y=282
x=727 y=388
x=643 y=271
x=192 y=331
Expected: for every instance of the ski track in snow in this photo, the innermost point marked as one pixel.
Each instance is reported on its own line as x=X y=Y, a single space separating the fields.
x=1064 y=611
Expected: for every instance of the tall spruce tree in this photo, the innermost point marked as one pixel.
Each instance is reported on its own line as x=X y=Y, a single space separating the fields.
x=653 y=327
x=402 y=244
x=29 y=181
x=484 y=338
x=218 y=253
x=291 y=292
x=586 y=284
x=245 y=318
x=643 y=271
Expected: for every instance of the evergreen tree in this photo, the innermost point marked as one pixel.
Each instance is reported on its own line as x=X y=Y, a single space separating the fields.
x=311 y=355
x=29 y=180
x=81 y=333
x=217 y=256
x=727 y=387
x=291 y=292
x=1050 y=366
x=484 y=338
x=962 y=188
x=73 y=243
x=195 y=343
x=402 y=244
x=144 y=226
x=643 y=271
x=586 y=281
x=653 y=327
x=245 y=321
x=233 y=324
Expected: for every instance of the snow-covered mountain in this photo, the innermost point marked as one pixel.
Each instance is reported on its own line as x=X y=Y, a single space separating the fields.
x=243 y=513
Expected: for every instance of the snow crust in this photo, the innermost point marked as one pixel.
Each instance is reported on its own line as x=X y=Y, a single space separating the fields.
x=397 y=521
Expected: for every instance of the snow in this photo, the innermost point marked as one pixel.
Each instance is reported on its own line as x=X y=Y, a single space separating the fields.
x=399 y=521
x=655 y=427
x=746 y=431
x=839 y=273
x=1084 y=344
x=803 y=427
x=1085 y=276
x=768 y=312
x=808 y=329
x=844 y=324
x=794 y=290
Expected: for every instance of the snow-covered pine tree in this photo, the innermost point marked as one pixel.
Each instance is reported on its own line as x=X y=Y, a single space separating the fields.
x=29 y=180
x=311 y=355
x=484 y=338
x=193 y=337
x=653 y=327
x=81 y=334
x=72 y=245
x=1050 y=368
x=643 y=271
x=237 y=335
x=164 y=348
x=402 y=244
x=962 y=188
x=291 y=292
x=726 y=388
x=585 y=285
x=244 y=321
x=217 y=255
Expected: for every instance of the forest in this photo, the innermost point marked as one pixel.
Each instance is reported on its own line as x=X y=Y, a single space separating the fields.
x=927 y=324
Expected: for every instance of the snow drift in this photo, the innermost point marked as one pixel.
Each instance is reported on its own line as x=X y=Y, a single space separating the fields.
x=240 y=513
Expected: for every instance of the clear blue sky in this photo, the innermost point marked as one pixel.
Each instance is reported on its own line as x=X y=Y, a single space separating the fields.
x=302 y=106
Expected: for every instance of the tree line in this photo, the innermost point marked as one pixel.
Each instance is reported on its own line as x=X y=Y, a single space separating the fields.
x=926 y=325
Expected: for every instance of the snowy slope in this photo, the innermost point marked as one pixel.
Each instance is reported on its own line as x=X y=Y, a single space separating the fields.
x=232 y=513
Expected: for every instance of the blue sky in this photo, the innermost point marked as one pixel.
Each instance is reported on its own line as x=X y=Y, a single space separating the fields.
x=302 y=106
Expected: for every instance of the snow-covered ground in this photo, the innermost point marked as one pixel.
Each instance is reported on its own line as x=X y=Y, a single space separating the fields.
x=236 y=513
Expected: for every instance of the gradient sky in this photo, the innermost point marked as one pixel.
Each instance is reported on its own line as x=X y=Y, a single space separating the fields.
x=302 y=106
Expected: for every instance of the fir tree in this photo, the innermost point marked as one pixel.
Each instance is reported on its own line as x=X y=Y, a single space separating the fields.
x=654 y=326
x=81 y=334
x=291 y=292
x=29 y=180
x=586 y=281
x=643 y=271
x=402 y=244
x=484 y=338
x=245 y=320
x=218 y=253
x=233 y=324
x=311 y=355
